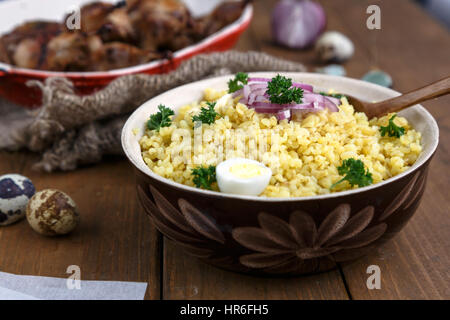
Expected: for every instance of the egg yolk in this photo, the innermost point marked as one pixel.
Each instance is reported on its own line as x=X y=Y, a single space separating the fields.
x=246 y=170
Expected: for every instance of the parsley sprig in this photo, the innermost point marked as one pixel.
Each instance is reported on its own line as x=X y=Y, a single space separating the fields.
x=392 y=130
x=204 y=177
x=280 y=91
x=160 y=119
x=207 y=115
x=238 y=82
x=355 y=173
x=334 y=95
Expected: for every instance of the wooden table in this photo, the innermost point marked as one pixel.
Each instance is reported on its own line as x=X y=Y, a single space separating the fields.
x=116 y=241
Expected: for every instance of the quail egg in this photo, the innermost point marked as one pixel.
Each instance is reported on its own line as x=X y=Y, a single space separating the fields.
x=15 y=192
x=242 y=176
x=334 y=46
x=51 y=212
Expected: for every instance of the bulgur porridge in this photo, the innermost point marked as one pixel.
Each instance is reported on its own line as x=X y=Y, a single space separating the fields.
x=309 y=152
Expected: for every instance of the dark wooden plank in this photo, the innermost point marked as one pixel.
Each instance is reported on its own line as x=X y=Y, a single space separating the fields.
x=188 y=278
x=12 y=162
x=415 y=50
x=115 y=240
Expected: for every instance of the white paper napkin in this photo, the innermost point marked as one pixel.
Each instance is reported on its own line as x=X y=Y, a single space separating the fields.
x=17 y=287
x=6 y=294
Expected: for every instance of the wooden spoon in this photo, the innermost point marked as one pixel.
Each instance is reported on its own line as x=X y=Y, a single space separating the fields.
x=434 y=90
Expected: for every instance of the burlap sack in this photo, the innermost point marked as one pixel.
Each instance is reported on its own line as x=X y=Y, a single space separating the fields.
x=71 y=130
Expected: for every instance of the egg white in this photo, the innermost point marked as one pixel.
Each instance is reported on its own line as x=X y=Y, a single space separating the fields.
x=229 y=183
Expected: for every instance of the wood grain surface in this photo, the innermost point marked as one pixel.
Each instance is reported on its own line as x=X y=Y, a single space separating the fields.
x=115 y=240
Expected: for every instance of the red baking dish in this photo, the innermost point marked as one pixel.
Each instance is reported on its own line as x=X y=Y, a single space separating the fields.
x=13 y=80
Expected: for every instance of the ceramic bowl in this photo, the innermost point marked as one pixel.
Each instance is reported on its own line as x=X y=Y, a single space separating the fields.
x=280 y=236
x=13 y=80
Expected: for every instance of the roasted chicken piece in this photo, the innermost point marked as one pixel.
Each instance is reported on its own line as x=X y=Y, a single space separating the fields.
x=71 y=51
x=113 y=36
x=223 y=15
x=117 y=27
x=25 y=45
x=159 y=23
x=4 y=53
x=93 y=16
x=116 y=55
x=76 y=51
x=28 y=54
x=109 y=21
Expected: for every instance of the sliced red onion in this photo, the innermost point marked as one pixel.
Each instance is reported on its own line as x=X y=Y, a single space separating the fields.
x=330 y=105
x=297 y=23
x=259 y=92
x=268 y=105
x=256 y=86
x=284 y=114
x=313 y=97
x=261 y=99
x=251 y=98
x=258 y=80
x=265 y=110
x=336 y=101
x=237 y=93
x=274 y=107
x=305 y=87
x=246 y=92
x=254 y=95
x=261 y=81
x=302 y=106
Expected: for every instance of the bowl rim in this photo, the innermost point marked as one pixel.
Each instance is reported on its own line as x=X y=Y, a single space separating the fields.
x=223 y=33
x=127 y=131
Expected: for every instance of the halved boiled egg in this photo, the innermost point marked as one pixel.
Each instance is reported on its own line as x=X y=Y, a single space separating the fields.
x=242 y=176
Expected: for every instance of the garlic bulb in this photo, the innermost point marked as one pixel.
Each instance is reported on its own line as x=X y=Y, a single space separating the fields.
x=334 y=46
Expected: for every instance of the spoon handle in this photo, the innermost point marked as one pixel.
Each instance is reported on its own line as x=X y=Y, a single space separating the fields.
x=434 y=90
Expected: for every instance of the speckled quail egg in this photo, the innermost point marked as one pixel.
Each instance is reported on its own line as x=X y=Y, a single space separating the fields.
x=15 y=192
x=242 y=176
x=334 y=46
x=51 y=212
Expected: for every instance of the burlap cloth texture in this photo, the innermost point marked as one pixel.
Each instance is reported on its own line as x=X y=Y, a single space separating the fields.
x=69 y=130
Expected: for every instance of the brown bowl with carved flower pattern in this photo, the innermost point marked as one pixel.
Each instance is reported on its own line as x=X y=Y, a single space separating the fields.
x=280 y=236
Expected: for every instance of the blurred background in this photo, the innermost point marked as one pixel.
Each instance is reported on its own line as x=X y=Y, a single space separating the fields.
x=440 y=9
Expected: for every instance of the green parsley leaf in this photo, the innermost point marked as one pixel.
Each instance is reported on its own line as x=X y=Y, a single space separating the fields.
x=204 y=177
x=238 y=82
x=160 y=119
x=334 y=95
x=354 y=173
x=392 y=129
x=207 y=115
x=280 y=91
